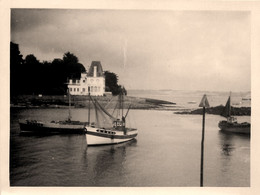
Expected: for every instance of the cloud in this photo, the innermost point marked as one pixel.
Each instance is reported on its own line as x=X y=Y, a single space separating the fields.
x=187 y=49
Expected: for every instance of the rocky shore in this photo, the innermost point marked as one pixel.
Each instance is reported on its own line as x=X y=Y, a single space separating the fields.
x=236 y=111
x=109 y=101
x=30 y=101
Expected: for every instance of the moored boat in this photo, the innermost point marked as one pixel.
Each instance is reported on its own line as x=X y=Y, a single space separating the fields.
x=231 y=124
x=54 y=127
x=235 y=127
x=96 y=134
x=103 y=136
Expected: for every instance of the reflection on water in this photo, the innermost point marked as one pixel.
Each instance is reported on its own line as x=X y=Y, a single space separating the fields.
x=227 y=149
x=105 y=164
x=226 y=143
x=228 y=139
x=234 y=159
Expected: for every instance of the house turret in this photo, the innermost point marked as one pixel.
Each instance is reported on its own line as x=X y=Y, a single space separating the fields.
x=94 y=81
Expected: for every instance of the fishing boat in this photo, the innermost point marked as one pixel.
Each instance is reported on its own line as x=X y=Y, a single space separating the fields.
x=67 y=126
x=231 y=124
x=113 y=130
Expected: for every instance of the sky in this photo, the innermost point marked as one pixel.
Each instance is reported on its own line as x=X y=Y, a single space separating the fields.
x=147 y=49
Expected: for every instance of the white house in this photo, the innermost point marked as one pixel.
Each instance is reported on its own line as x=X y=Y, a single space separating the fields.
x=94 y=81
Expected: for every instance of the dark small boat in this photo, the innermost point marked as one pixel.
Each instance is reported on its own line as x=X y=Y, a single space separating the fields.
x=231 y=124
x=54 y=127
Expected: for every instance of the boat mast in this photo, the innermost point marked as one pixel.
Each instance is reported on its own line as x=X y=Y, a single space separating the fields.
x=122 y=101
x=122 y=105
x=89 y=105
x=96 y=112
x=127 y=110
x=69 y=117
x=229 y=110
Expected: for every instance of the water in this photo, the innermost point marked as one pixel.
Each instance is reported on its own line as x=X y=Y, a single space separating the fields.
x=183 y=98
x=165 y=153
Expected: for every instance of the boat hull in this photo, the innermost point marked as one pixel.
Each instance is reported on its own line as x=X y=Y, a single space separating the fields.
x=97 y=136
x=243 y=128
x=51 y=127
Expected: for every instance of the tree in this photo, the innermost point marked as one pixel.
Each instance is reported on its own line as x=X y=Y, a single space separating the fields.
x=31 y=60
x=16 y=59
x=32 y=75
x=70 y=58
x=112 y=85
x=72 y=67
x=123 y=90
x=16 y=62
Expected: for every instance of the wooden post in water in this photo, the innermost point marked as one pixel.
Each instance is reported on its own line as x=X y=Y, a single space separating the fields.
x=205 y=104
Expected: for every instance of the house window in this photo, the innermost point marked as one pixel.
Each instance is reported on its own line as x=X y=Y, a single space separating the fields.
x=70 y=89
x=74 y=89
x=77 y=89
x=83 y=89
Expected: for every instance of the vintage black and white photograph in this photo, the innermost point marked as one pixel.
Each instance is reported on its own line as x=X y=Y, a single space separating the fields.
x=130 y=98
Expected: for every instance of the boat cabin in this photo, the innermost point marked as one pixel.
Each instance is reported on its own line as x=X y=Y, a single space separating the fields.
x=118 y=123
x=231 y=119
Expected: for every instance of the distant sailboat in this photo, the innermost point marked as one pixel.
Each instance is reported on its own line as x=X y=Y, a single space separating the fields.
x=54 y=127
x=231 y=124
x=113 y=131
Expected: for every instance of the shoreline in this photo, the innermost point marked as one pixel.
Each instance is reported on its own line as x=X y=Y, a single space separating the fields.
x=52 y=101
x=109 y=101
x=218 y=110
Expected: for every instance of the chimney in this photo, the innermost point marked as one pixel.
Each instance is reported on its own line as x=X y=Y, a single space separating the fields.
x=95 y=71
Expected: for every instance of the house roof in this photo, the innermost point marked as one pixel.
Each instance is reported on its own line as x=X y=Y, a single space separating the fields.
x=99 y=69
